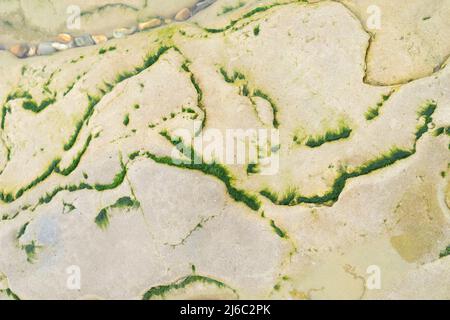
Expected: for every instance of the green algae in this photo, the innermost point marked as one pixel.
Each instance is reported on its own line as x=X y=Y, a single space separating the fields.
x=253 y=168
x=231 y=79
x=125 y=202
x=92 y=102
x=278 y=231
x=261 y=94
x=256 y=31
x=445 y=252
x=72 y=85
x=104 y=7
x=245 y=16
x=374 y=112
x=195 y=162
x=71 y=188
x=18 y=94
x=343 y=132
x=163 y=290
x=22 y=230
x=149 y=60
x=425 y=114
x=69 y=88
x=394 y=155
x=5 y=110
x=76 y=161
x=32 y=105
x=9 y=197
x=442 y=130
x=272 y=196
x=10 y=294
x=126 y=120
x=68 y=207
x=245 y=91
x=105 y=50
x=102 y=219
x=30 y=251
x=196 y=85
x=229 y=8
x=118 y=179
x=338 y=186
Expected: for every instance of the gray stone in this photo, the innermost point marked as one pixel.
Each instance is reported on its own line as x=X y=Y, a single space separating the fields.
x=202 y=5
x=123 y=32
x=84 y=41
x=45 y=48
x=20 y=50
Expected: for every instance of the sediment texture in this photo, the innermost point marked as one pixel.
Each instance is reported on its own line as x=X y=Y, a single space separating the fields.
x=87 y=135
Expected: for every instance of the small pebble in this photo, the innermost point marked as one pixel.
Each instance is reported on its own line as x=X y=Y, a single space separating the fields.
x=99 y=38
x=60 y=46
x=19 y=50
x=202 y=5
x=65 y=41
x=149 y=24
x=123 y=32
x=64 y=38
x=84 y=40
x=45 y=48
x=183 y=14
x=32 y=51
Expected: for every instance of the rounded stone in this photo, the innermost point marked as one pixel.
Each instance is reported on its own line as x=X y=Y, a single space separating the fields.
x=84 y=40
x=153 y=23
x=60 y=46
x=123 y=32
x=45 y=48
x=202 y=5
x=20 y=50
x=32 y=51
x=64 y=38
x=183 y=14
x=99 y=38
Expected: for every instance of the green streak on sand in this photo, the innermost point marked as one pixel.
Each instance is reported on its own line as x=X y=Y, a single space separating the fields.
x=163 y=290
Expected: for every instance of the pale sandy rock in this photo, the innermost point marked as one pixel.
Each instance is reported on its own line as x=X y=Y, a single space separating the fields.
x=64 y=38
x=116 y=205
x=264 y=110
x=19 y=50
x=410 y=42
x=99 y=38
x=123 y=32
x=150 y=24
x=183 y=14
x=32 y=51
x=60 y=46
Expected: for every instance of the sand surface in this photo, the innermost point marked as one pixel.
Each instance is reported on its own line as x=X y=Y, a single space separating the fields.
x=357 y=185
